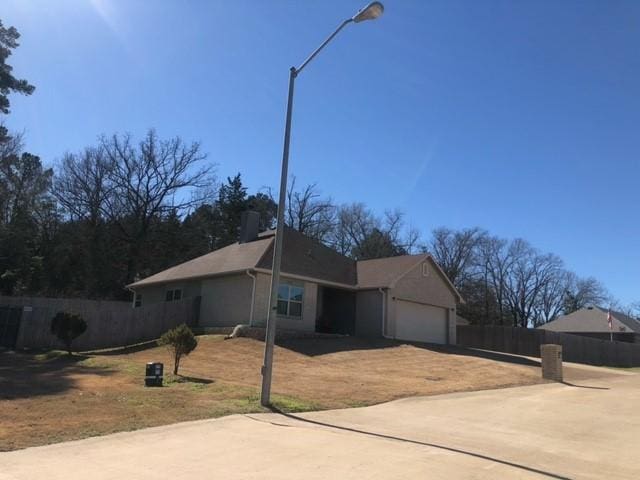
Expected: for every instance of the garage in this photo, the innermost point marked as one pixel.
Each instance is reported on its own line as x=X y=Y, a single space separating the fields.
x=421 y=323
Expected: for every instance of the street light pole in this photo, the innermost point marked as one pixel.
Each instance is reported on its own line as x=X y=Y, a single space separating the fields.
x=270 y=334
x=372 y=11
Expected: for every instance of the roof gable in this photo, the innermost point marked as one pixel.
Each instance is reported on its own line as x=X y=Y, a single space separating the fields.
x=385 y=272
x=232 y=258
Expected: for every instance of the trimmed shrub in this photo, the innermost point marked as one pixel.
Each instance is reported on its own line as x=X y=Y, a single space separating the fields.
x=67 y=327
x=181 y=342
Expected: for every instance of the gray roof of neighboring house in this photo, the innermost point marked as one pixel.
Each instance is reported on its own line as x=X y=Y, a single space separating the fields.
x=303 y=256
x=593 y=320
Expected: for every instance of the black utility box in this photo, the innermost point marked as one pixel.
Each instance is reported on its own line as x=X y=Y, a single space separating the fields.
x=153 y=374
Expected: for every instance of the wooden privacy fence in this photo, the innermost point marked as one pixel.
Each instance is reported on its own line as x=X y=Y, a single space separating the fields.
x=526 y=341
x=109 y=324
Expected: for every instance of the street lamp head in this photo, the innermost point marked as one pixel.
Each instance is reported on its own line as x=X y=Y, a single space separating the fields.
x=370 y=12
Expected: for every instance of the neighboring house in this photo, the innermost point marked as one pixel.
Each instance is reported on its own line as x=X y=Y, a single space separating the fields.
x=406 y=297
x=461 y=321
x=592 y=322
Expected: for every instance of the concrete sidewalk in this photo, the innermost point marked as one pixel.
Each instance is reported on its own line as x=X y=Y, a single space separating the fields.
x=589 y=429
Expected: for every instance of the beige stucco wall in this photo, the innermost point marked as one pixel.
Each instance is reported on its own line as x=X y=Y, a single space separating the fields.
x=226 y=301
x=157 y=293
x=261 y=306
x=430 y=290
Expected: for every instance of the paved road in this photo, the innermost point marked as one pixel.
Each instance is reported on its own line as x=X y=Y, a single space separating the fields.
x=588 y=430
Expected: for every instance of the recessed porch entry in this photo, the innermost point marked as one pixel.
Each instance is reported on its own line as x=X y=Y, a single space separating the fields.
x=336 y=311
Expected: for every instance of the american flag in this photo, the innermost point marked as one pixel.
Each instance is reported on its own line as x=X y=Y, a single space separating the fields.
x=609 y=320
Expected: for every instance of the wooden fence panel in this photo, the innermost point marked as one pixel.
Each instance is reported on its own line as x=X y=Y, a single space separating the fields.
x=525 y=341
x=109 y=324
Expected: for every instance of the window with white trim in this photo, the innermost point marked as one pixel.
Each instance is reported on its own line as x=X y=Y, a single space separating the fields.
x=173 y=295
x=290 y=300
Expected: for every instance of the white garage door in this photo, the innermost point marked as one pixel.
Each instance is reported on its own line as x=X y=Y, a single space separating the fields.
x=421 y=323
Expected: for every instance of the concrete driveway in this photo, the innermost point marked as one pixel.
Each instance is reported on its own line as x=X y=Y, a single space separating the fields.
x=590 y=429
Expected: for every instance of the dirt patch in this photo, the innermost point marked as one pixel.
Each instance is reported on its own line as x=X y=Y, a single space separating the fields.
x=46 y=399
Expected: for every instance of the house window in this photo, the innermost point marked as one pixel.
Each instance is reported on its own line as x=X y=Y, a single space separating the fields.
x=290 y=300
x=137 y=300
x=173 y=295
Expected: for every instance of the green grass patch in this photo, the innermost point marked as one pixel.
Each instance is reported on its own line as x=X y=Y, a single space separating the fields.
x=357 y=403
x=50 y=355
x=292 y=404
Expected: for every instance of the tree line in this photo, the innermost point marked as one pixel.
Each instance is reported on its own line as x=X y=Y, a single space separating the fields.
x=509 y=282
x=121 y=209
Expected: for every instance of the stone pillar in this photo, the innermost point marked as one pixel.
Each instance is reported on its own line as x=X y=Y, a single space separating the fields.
x=551 y=360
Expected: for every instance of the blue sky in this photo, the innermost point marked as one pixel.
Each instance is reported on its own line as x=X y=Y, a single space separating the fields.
x=521 y=117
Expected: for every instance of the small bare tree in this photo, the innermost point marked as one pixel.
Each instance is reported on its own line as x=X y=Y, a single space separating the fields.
x=361 y=234
x=583 y=292
x=83 y=184
x=308 y=213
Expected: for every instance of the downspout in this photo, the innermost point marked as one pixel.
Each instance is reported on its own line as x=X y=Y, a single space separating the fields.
x=384 y=313
x=253 y=296
x=133 y=302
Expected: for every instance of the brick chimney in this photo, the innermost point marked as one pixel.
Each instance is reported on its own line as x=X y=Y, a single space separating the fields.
x=249 y=221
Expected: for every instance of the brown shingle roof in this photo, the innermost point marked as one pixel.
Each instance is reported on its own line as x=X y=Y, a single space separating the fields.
x=302 y=256
x=309 y=258
x=593 y=320
x=381 y=272
x=233 y=258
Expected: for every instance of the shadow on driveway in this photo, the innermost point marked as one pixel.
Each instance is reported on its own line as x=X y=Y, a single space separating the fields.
x=415 y=442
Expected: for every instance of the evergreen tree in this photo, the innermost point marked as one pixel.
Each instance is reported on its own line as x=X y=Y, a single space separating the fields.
x=8 y=83
x=232 y=201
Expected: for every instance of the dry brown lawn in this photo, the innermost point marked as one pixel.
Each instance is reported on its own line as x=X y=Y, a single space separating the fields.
x=50 y=398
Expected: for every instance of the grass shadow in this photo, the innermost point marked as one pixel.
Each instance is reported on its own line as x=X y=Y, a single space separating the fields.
x=24 y=375
x=138 y=347
x=495 y=356
x=472 y=352
x=188 y=379
x=314 y=347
